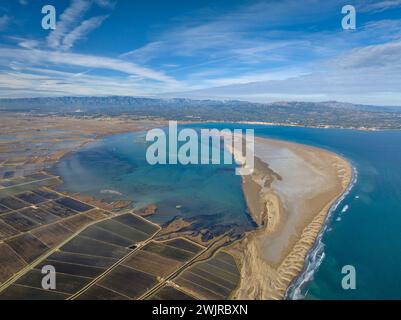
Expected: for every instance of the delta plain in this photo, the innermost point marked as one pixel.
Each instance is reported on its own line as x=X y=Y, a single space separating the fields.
x=107 y=248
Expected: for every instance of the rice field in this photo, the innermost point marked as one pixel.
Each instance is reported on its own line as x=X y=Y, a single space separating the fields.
x=214 y=279
x=34 y=219
x=146 y=267
x=52 y=235
x=28 y=247
x=170 y=293
x=10 y=264
x=128 y=282
x=82 y=259
x=100 y=293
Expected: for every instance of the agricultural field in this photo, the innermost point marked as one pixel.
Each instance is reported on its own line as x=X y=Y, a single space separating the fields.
x=33 y=220
x=170 y=293
x=82 y=259
x=144 y=269
x=214 y=279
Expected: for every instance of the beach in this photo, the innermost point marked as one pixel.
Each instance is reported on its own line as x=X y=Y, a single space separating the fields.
x=288 y=196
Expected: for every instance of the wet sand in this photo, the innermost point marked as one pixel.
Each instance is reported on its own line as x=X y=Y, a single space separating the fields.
x=289 y=195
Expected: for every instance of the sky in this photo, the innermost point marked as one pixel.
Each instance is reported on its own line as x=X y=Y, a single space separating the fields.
x=264 y=51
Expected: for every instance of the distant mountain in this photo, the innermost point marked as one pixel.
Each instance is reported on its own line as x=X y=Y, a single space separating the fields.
x=65 y=104
x=329 y=113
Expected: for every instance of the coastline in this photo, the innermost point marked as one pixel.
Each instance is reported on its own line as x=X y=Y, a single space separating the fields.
x=316 y=254
x=290 y=210
x=283 y=124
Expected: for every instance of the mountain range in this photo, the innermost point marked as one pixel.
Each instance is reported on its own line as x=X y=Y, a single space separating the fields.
x=314 y=114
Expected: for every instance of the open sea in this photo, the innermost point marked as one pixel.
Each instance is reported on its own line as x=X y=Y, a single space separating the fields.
x=364 y=230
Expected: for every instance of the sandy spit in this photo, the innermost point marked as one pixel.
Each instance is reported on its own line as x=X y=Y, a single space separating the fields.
x=289 y=195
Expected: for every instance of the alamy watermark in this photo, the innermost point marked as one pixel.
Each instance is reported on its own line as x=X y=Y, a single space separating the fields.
x=348 y=282
x=49 y=20
x=186 y=147
x=349 y=20
x=49 y=280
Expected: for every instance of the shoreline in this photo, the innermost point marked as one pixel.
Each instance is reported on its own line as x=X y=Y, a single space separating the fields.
x=282 y=124
x=274 y=255
x=316 y=254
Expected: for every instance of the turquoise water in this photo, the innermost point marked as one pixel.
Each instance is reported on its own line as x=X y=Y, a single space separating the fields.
x=116 y=168
x=367 y=235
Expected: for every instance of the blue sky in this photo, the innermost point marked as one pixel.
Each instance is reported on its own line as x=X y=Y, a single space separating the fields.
x=250 y=50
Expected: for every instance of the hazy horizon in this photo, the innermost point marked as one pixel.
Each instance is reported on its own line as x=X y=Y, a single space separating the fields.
x=217 y=99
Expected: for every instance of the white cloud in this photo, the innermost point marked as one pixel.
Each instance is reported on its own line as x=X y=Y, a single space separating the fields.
x=24 y=42
x=68 y=19
x=145 y=53
x=27 y=82
x=28 y=43
x=71 y=28
x=368 y=86
x=81 y=31
x=377 y=6
x=106 y=3
x=383 y=55
x=40 y=57
x=256 y=76
x=370 y=75
x=231 y=31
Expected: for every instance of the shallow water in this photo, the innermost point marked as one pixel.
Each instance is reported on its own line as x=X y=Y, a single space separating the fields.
x=116 y=168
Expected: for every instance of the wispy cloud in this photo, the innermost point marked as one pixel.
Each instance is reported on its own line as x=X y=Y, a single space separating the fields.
x=71 y=27
x=106 y=3
x=4 y=22
x=369 y=75
x=82 y=31
x=377 y=6
x=39 y=57
x=360 y=86
x=68 y=19
x=245 y=27
x=383 y=55
x=280 y=64
x=43 y=67
x=27 y=82
x=145 y=53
